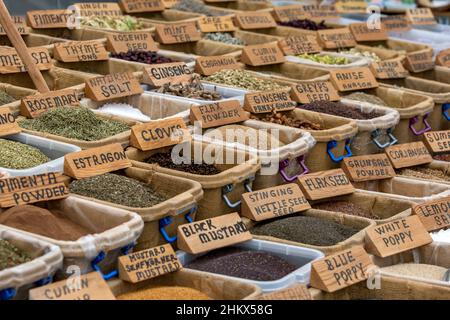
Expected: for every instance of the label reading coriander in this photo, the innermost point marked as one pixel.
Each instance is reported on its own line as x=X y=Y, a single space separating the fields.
x=325 y=184
x=438 y=141
x=35 y=105
x=336 y=38
x=218 y=114
x=248 y=20
x=88 y=9
x=361 y=32
x=112 y=86
x=265 y=102
x=408 y=155
x=389 y=69
x=130 y=41
x=216 y=24
x=288 y=13
x=299 y=44
x=368 y=168
x=419 y=61
x=421 y=16
x=177 y=33
x=10 y=61
x=8 y=123
x=49 y=19
x=80 y=51
x=159 y=74
x=308 y=92
x=136 y=6
x=262 y=54
x=435 y=214
x=209 y=65
x=353 y=79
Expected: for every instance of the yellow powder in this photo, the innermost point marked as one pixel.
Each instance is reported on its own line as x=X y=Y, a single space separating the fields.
x=165 y=293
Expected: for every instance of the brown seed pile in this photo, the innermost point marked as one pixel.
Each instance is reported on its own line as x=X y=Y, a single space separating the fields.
x=346 y=207
x=194 y=90
x=339 y=109
x=165 y=160
x=165 y=293
x=424 y=173
x=287 y=119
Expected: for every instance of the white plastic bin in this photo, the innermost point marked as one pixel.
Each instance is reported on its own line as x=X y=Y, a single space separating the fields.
x=354 y=61
x=439 y=41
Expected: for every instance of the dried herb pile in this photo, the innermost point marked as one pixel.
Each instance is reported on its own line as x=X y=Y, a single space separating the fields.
x=16 y=155
x=11 y=256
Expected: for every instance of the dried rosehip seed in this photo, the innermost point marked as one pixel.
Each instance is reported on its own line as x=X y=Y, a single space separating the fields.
x=147 y=57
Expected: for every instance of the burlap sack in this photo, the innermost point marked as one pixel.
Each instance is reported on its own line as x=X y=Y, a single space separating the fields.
x=242 y=5
x=391 y=48
x=185 y=194
x=33 y=40
x=354 y=62
x=443 y=166
x=17 y=93
x=167 y=16
x=216 y=287
x=435 y=6
x=47 y=259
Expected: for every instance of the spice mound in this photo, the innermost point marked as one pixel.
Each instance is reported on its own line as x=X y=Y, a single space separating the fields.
x=424 y=173
x=165 y=160
x=193 y=89
x=75 y=123
x=442 y=157
x=364 y=97
x=286 y=119
x=197 y=7
x=346 y=207
x=305 y=24
x=11 y=256
x=6 y=98
x=165 y=293
x=16 y=155
x=244 y=80
x=225 y=38
x=123 y=23
x=339 y=109
x=118 y=189
x=147 y=57
x=246 y=264
x=308 y=230
x=324 y=58
x=363 y=54
x=427 y=271
x=50 y=224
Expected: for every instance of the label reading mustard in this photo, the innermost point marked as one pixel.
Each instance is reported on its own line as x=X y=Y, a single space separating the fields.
x=248 y=20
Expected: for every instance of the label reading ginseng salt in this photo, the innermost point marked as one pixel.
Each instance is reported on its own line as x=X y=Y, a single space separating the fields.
x=177 y=33
x=80 y=51
x=438 y=141
x=389 y=69
x=218 y=114
x=10 y=61
x=87 y=9
x=308 y=92
x=419 y=61
x=368 y=168
x=353 y=79
x=325 y=184
x=435 y=214
x=299 y=44
x=159 y=74
x=265 y=102
x=248 y=20
x=112 y=86
x=336 y=38
x=408 y=155
x=443 y=58
x=209 y=65
x=35 y=105
x=49 y=19
x=136 y=6
x=262 y=54
x=216 y=24
x=8 y=123
x=130 y=41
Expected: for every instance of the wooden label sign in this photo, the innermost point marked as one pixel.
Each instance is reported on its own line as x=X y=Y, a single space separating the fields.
x=295 y=292
x=80 y=51
x=408 y=155
x=159 y=74
x=177 y=33
x=35 y=105
x=112 y=86
x=88 y=9
x=367 y=168
x=288 y=13
x=130 y=41
x=264 y=102
x=262 y=54
x=216 y=24
x=215 y=233
x=136 y=6
x=443 y=58
x=325 y=184
x=96 y=161
x=157 y=134
x=388 y=69
x=308 y=92
x=32 y=189
x=8 y=123
x=10 y=61
x=148 y=264
x=170 y=3
x=420 y=61
x=438 y=141
x=351 y=6
x=218 y=114
x=209 y=65
x=361 y=32
x=20 y=24
x=249 y=20
x=336 y=38
x=49 y=19
x=320 y=12
x=341 y=270
x=421 y=16
x=273 y=202
x=299 y=44
x=353 y=79
x=397 y=23
x=435 y=214
x=89 y=286
x=397 y=236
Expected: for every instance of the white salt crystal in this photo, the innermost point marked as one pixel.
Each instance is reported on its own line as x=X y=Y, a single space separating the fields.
x=124 y=110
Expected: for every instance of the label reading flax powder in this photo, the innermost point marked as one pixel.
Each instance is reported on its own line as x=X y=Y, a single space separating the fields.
x=209 y=65
x=421 y=16
x=216 y=24
x=10 y=61
x=80 y=51
x=419 y=61
x=35 y=105
x=308 y=92
x=8 y=123
x=353 y=79
x=438 y=141
x=249 y=20
x=159 y=74
x=361 y=32
x=325 y=184
x=389 y=69
x=177 y=33
x=336 y=38
x=136 y=6
x=368 y=168
x=264 y=102
x=435 y=214
x=299 y=44
x=218 y=114
x=49 y=19
x=112 y=86
x=130 y=41
x=289 y=13
x=408 y=155
x=262 y=54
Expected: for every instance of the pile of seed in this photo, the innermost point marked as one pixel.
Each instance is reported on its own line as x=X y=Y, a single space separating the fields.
x=305 y=24
x=442 y=157
x=6 y=98
x=324 y=58
x=364 y=97
x=194 y=89
x=165 y=293
x=286 y=119
x=246 y=264
x=165 y=160
x=197 y=7
x=11 y=256
x=244 y=80
x=75 y=123
x=16 y=155
x=147 y=57
x=427 y=271
x=307 y=230
x=346 y=207
x=424 y=173
x=118 y=189
x=225 y=38
x=337 y=108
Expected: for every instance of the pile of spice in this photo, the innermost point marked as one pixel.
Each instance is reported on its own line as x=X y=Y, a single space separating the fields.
x=165 y=160
x=424 y=173
x=225 y=38
x=197 y=7
x=118 y=189
x=124 y=110
x=361 y=53
x=365 y=97
x=75 y=123
x=305 y=24
x=194 y=89
x=442 y=157
x=122 y=23
x=50 y=224
x=165 y=293
x=346 y=207
x=246 y=264
x=427 y=271
x=5 y=98
x=308 y=230
x=337 y=108
x=286 y=119
x=147 y=57
x=244 y=80
x=16 y=155
x=324 y=58
x=11 y=256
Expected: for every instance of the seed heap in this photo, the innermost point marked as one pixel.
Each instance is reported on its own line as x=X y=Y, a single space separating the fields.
x=123 y=23
x=11 y=256
x=346 y=207
x=305 y=24
x=364 y=97
x=165 y=160
x=147 y=57
x=244 y=80
x=194 y=89
x=225 y=38
x=339 y=109
x=424 y=173
x=287 y=119
x=165 y=293
x=5 y=98
x=197 y=7
x=419 y=270
x=16 y=155
x=324 y=58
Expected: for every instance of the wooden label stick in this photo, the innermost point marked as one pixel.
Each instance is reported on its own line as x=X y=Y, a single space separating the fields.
x=8 y=123
x=35 y=105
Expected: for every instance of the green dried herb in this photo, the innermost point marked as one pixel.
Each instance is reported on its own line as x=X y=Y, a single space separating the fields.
x=6 y=98
x=324 y=58
x=11 y=256
x=16 y=155
x=124 y=23
x=243 y=79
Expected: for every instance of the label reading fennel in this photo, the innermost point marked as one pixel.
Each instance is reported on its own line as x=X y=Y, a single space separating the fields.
x=435 y=214
x=112 y=86
x=35 y=105
x=408 y=155
x=255 y=20
x=265 y=102
x=325 y=184
x=218 y=114
x=367 y=168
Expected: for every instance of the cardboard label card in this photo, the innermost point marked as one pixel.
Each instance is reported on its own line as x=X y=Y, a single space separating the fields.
x=341 y=270
x=367 y=168
x=264 y=102
x=49 y=19
x=148 y=264
x=336 y=38
x=112 y=86
x=96 y=161
x=320 y=12
x=421 y=16
x=89 y=286
x=408 y=155
x=177 y=33
x=35 y=105
x=397 y=23
x=397 y=236
x=435 y=214
x=262 y=54
x=215 y=233
x=80 y=51
x=353 y=79
x=325 y=184
x=157 y=134
x=32 y=189
x=361 y=32
x=308 y=92
x=8 y=124
x=216 y=24
x=248 y=20
x=10 y=61
x=159 y=74
x=299 y=44
x=351 y=6
x=20 y=24
x=209 y=65
x=296 y=292
x=443 y=58
x=87 y=9
x=419 y=61
x=288 y=13
x=273 y=202
x=389 y=69
x=134 y=41
x=135 y=6
x=438 y=141
x=218 y=114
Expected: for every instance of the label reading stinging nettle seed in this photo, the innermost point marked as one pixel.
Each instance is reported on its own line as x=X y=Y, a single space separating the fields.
x=443 y=58
x=262 y=54
x=80 y=51
x=216 y=24
x=314 y=91
x=49 y=19
x=273 y=202
x=209 y=65
x=408 y=155
x=35 y=105
x=353 y=79
x=325 y=184
x=98 y=9
x=218 y=114
x=435 y=214
x=419 y=61
x=255 y=20
x=130 y=41
x=421 y=16
x=112 y=86
x=210 y=234
x=397 y=236
x=10 y=61
x=177 y=33
x=367 y=168
x=438 y=141
x=135 y=6
x=299 y=44
x=8 y=123
x=396 y=23
x=289 y=13
x=389 y=69
x=361 y=32
x=268 y=101
x=336 y=38
x=20 y=24
x=174 y=73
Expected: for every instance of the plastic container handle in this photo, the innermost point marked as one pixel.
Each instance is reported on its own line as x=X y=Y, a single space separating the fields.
x=101 y=256
x=164 y=222
x=392 y=140
x=229 y=188
x=7 y=294
x=445 y=108
x=414 y=120
x=333 y=144
x=284 y=164
x=44 y=281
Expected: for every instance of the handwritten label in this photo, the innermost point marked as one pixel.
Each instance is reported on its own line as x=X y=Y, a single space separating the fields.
x=264 y=102
x=419 y=61
x=408 y=155
x=262 y=54
x=135 y=6
x=438 y=141
x=435 y=214
x=388 y=69
x=98 y=9
x=249 y=20
x=80 y=51
x=49 y=19
x=320 y=12
x=396 y=23
x=177 y=33
x=216 y=24
x=10 y=61
x=421 y=16
x=130 y=41
x=325 y=184
x=288 y=13
x=215 y=233
x=212 y=64
x=173 y=73
x=8 y=123
x=300 y=44
x=353 y=79
x=368 y=168
x=112 y=86
x=35 y=105
x=443 y=58
x=218 y=114
x=351 y=6
x=20 y=24
x=361 y=32
x=295 y=292
x=336 y=38
x=308 y=92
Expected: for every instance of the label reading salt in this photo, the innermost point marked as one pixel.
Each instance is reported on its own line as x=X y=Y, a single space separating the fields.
x=419 y=61
x=396 y=23
x=88 y=9
x=421 y=16
x=249 y=20
x=35 y=105
x=8 y=123
x=112 y=86
x=262 y=54
x=174 y=73
x=177 y=33
x=389 y=69
x=361 y=32
x=136 y=6
x=308 y=92
x=325 y=184
x=20 y=24
x=443 y=58
x=211 y=64
x=368 y=168
x=206 y=235
x=336 y=38
x=438 y=141
x=299 y=44
x=10 y=61
x=353 y=79
x=265 y=102
x=80 y=51
x=435 y=214
x=289 y=13
x=216 y=24
x=408 y=155
x=50 y=19
x=218 y=114
x=130 y=41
